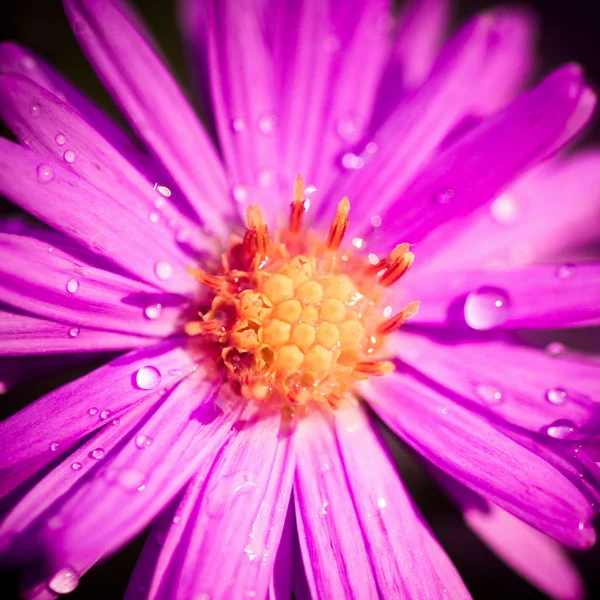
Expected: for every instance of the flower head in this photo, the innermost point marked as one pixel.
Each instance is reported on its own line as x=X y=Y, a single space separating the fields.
x=258 y=311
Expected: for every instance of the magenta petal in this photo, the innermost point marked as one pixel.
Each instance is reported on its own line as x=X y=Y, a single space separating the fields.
x=75 y=410
x=150 y=98
x=138 y=479
x=480 y=164
x=535 y=297
x=24 y=335
x=230 y=520
x=396 y=535
x=68 y=203
x=54 y=284
x=507 y=381
x=483 y=458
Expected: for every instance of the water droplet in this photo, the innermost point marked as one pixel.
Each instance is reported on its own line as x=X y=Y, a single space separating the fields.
x=69 y=156
x=373 y=259
x=54 y=446
x=60 y=139
x=159 y=203
x=148 y=377
x=381 y=503
x=267 y=124
x=93 y=411
x=154 y=217
x=176 y=519
x=105 y=414
x=486 y=308
x=325 y=507
x=35 y=110
x=566 y=271
x=561 y=429
x=490 y=394
x=74 y=332
x=357 y=242
x=153 y=311
x=72 y=286
x=238 y=125
x=235 y=484
x=142 y=441
x=387 y=312
x=50 y=249
x=163 y=270
x=371 y=148
x=76 y=466
x=45 y=173
x=444 y=411
x=240 y=193
x=309 y=190
x=98 y=453
x=444 y=196
x=557 y=396
x=116 y=422
x=555 y=349
x=376 y=221
x=504 y=209
x=65 y=580
x=182 y=236
x=352 y=161
x=163 y=190
x=349 y=129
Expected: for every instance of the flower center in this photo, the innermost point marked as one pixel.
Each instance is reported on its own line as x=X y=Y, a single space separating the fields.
x=295 y=319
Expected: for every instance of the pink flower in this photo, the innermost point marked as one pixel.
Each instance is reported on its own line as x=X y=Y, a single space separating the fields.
x=256 y=333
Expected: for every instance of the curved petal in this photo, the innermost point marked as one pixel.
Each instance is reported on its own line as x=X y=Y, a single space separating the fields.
x=507 y=381
x=25 y=335
x=152 y=101
x=233 y=516
x=481 y=163
x=68 y=203
x=76 y=409
x=61 y=135
x=484 y=459
x=137 y=480
x=534 y=297
x=59 y=286
x=359 y=534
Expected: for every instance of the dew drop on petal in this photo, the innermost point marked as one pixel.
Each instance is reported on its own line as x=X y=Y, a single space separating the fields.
x=504 y=209
x=490 y=394
x=325 y=507
x=76 y=466
x=105 y=414
x=176 y=519
x=381 y=503
x=561 y=429
x=387 y=312
x=72 y=286
x=93 y=411
x=352 y=161
x=566 y=271
x=163 y=190
x=239 y=193
x=98 y=453
x=74 y=332
x=153 y=311
x=69 y=156
x=267 y=124
x=142 y=441
x=35 y=110
x=371 y=148
x=159 y=203
x=154 y=217
x=163 y=270
x=148 y=377
x=116 y=422
x=557 y=396
x=376 y=221
x=65 y=580
x=54 y=446
x=60 y=139
x=45 y=173
x=444 y=196
x=555 y=349
x=238 y=125
x=487 y=308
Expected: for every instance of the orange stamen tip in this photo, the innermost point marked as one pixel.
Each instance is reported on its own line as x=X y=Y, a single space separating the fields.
x=206 y=279
x=297 y=206
x=399 y=262
x=393 y=323
x=256 y=239
x=203 y=328
x=339 y=225
x=376 y=368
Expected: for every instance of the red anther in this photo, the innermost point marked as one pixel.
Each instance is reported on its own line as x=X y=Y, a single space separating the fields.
x=256 y=238
x=339 y=225
x=297 y=206
x=399 y=261
x=386 y=327
x=204 y=328
x=211 y=281
x=376 y=368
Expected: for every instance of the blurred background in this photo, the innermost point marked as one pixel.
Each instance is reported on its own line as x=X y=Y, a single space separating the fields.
x=568 y=32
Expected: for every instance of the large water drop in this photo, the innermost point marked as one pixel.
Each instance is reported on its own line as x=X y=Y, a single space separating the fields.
x=487 y=308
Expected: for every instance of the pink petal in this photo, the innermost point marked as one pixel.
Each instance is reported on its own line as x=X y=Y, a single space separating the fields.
x=481 y=457
x=67 y=202
x=139 y=479
x=507 y=381
x=241 y=78
x=230 y=520
x=481 y=163
x=535 y=297
x=61 y=135
x=24 y=335
x=150 y=98
x=75 y=410
x=419 y=32
x=395 y=532
x=412 y=133
x=55 y=284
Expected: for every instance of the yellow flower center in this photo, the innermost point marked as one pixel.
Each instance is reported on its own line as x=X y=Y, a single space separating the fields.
x=297 y=320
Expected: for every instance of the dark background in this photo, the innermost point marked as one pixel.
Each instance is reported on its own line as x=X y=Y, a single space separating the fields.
x=569 y=32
